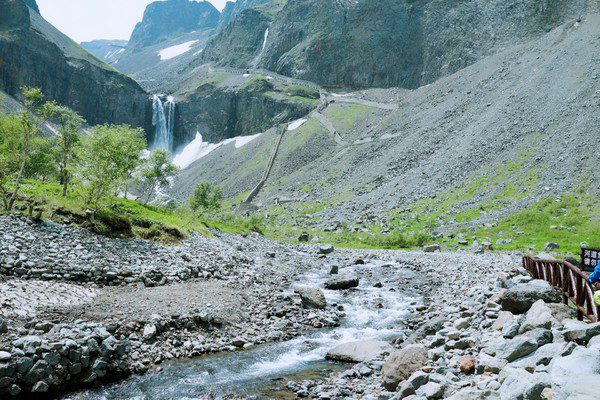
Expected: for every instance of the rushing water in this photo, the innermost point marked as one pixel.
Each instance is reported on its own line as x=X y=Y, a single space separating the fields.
x=163 y=119
x=262 y=49
x=263 y=371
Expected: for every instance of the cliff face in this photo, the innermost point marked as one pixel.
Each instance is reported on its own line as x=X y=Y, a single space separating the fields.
x=164 y=19
x=33 y=5
x=239 y=44
x=220 y=113
x=232 y=9
x=362 y=43
x=34 y=53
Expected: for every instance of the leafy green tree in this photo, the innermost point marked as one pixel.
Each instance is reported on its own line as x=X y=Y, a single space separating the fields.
x=69 y=135
x=10 y=153
x=156 y=173
x=106 y=158
x=207 y=197
x=31 y=120
x=42 y=160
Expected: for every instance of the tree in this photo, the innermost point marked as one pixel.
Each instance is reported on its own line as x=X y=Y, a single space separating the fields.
x=106 y=158
x=31 y=119
x=42 y=160
x=10 y=153
x=206 y=196
x=156 y=173
x=69 y=135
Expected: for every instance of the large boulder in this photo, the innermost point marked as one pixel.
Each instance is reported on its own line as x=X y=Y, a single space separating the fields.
x=520 y=298
x=580 y=332
x=341 y=282
x=516 y=348
x=312 y=298
x=359 y=351
x=402 y=364
x=326 y=249
x=576 y=376
x=522 y=385
x=538 y=316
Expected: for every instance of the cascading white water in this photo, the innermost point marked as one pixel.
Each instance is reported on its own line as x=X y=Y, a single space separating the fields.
x=265 y=40
x=163 y=119
x=262 y=50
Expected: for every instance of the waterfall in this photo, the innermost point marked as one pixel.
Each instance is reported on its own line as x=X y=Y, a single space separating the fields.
x=262 y=50
x=163 y=119
x=265 y=40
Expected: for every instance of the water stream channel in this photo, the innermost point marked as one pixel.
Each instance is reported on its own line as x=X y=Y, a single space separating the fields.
x=372 y=312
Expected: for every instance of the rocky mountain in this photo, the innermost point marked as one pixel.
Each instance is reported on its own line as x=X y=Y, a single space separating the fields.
x=106 y=50
x=171 y=34
x=349 y=43
x=165 y=19
x=34 y=53
x=232 y=9
x=476 y=145
x=33 y=5
x=225 y=104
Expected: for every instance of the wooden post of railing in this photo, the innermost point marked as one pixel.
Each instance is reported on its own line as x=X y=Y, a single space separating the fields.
x=579 y=301
x=565 y=283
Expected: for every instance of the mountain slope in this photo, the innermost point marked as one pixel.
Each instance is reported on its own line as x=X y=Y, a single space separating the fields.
x=34 y=53
x=164 y=19
x=106 y=50
x=481 y=143
x=171 y=34
x=385 y=43
x=232 y=9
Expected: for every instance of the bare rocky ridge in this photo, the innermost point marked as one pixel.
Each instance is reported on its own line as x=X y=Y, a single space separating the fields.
x=444 y=135
x=34 y=53
x=383 y=44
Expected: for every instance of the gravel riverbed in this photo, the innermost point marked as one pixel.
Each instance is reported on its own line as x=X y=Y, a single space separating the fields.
x=79 y=310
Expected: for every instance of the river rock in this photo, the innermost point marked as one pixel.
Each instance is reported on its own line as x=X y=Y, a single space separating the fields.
x=5 y=356
x=432 y=248
x=538 y=316
x=487 y=363
x=402 y=364
x=3 y=326
x=515 y=348
x=149 y=331
x=40 y=387
x=550 y=246
x=327 y=249
x=239 y=342
x=341 y=282
x=576 y=376
x=520 y=298
x=359 y=351
x=523 y=385
x=580 y=332
x=312 y=298
x=304 y=237
x=474 y=394
x=466 y=365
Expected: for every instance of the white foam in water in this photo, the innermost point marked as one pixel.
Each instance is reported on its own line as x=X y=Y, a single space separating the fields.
x=198 y=148
x=175 y=51
x=296 y=124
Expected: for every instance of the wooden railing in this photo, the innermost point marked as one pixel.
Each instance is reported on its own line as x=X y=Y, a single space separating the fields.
x=570 y=280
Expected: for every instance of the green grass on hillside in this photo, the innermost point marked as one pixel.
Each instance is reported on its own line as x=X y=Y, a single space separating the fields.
x=127 y=218
x=344 y=115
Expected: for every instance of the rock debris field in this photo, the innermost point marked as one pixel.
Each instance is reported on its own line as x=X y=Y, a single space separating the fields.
x=79 y=310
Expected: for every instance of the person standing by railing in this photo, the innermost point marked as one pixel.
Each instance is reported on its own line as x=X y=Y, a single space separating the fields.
x=594 y=276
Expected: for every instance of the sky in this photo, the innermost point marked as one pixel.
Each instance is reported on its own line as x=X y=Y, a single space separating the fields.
x=85 y=20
